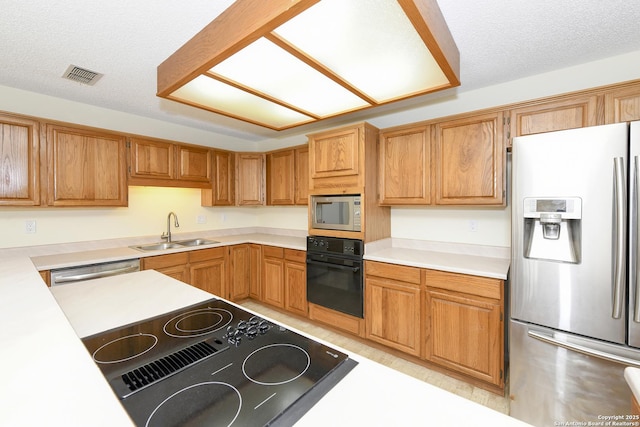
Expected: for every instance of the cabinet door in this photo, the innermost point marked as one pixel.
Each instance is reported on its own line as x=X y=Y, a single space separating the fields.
x=393 y=314
x=301 y=176
x=222 y=191
x=250 y=179
x=335 y=154
x=295 y=282
x=210 y=276
x=255 y=255
x=572 y=113
x=465 y=334
x=469 y=161
x=240 y=274
x=19 y=161
x=405 y=167
x=194 y=164
x=173 y=265
x=86 y=167
x=280 y=178
x=273 y=275
x=152 y=159
x=622 y=105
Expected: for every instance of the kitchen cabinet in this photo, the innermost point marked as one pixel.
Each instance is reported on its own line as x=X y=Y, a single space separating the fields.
x=173 y=265
x=208 y=270
x=250 y=179
x=240 y=268
x=86 y=167
x=203 y=268
x=469 y=161
x=255 y=264
x=393 y=306
x=341 y=158
x=288 y=176
x=405 y=166
x=46 y=276
x=464 y=330
x=222 y=190
x=559 y=114
x=284 y=279
x=295 y=281
x=272 y=275
x=301 y=178
x=622 y=104
x=281 y=177
x=168 y=164
x=19 y=161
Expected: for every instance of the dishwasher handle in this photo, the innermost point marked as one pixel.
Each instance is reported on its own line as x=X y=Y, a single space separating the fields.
x=96 y=275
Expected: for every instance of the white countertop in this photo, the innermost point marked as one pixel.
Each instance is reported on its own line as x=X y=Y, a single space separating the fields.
x=476 y=260
x=632 y=376
x=371 y=394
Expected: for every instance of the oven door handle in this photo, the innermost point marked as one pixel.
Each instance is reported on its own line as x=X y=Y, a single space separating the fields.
x=329 y=264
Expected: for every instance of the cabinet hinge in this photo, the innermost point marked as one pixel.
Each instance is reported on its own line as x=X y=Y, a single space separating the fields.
x=500 y=373
x=501 y=315
x=128 y=144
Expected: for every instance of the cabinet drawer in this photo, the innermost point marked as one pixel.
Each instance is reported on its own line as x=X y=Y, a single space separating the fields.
x=272 y=252
x=295 y=255
x=473 y=285
x=393 y=271
x=207 y=254
x=168 y=260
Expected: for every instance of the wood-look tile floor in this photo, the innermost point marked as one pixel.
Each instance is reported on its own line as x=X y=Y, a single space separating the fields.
x=437 y=379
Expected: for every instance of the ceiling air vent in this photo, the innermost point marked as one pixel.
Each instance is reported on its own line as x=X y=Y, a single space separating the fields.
x=81 y=75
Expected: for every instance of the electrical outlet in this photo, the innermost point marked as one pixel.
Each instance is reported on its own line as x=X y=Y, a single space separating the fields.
x=201 y=219
x=473 y=225
x=30 y=226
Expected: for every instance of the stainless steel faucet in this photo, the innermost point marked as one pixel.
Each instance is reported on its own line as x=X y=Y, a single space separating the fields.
x=167 y=234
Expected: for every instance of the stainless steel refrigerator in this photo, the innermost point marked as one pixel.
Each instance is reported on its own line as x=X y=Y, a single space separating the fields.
x=574 y=304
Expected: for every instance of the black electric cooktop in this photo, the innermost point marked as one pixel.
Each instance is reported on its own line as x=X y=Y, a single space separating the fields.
x=214 y=364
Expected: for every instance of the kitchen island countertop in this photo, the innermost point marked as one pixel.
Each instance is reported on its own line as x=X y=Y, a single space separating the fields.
x=66 y=387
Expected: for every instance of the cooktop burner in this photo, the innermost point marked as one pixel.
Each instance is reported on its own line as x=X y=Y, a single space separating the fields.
x=215 y=364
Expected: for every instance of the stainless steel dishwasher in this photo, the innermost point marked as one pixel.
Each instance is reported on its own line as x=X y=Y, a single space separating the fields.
x=93 y=271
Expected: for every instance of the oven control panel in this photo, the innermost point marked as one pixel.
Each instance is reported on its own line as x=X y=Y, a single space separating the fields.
x=335 y=245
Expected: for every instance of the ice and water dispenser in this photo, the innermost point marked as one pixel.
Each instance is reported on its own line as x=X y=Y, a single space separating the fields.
x=552 y=229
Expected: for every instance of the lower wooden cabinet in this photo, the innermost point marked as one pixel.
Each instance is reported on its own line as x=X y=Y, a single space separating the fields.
x=393 y=306
x=241 y=272
x=465 y=326
x=284 y=279
x=208 y=270
x=205 y=268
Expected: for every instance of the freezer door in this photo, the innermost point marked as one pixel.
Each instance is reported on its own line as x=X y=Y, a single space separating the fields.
x=585 y=294
x=634 y=230
x=551 y=384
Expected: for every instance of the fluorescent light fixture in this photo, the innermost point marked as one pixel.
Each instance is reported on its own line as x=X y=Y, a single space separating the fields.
x=285 y=63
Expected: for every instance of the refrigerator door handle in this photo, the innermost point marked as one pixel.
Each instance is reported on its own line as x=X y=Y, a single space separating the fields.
x=549 y=339
x=619 y=256
x=634 y=239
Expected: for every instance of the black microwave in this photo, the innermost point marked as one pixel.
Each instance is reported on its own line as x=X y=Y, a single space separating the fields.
x=339 y=212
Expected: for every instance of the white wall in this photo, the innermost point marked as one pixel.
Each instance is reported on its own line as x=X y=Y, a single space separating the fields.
x=148 y=206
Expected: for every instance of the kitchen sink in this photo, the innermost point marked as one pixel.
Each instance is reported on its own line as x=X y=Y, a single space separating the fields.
x=174 y=245
x=196 y=242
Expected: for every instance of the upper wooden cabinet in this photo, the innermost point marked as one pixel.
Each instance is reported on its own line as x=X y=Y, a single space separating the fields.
x=167 y=164
x=288 y=176
x=405 y=166
x=622 y=104
x=250 y=179
x=469 y=161
x=573 y=112
x=19 y=161
x=85 y=167
x=337 y=157
x=301 y=179
x=222 y=191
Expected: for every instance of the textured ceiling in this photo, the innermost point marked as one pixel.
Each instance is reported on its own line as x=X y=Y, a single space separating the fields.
x=499 y=40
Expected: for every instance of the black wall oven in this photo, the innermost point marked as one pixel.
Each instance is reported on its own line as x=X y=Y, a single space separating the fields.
x=335 y=274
